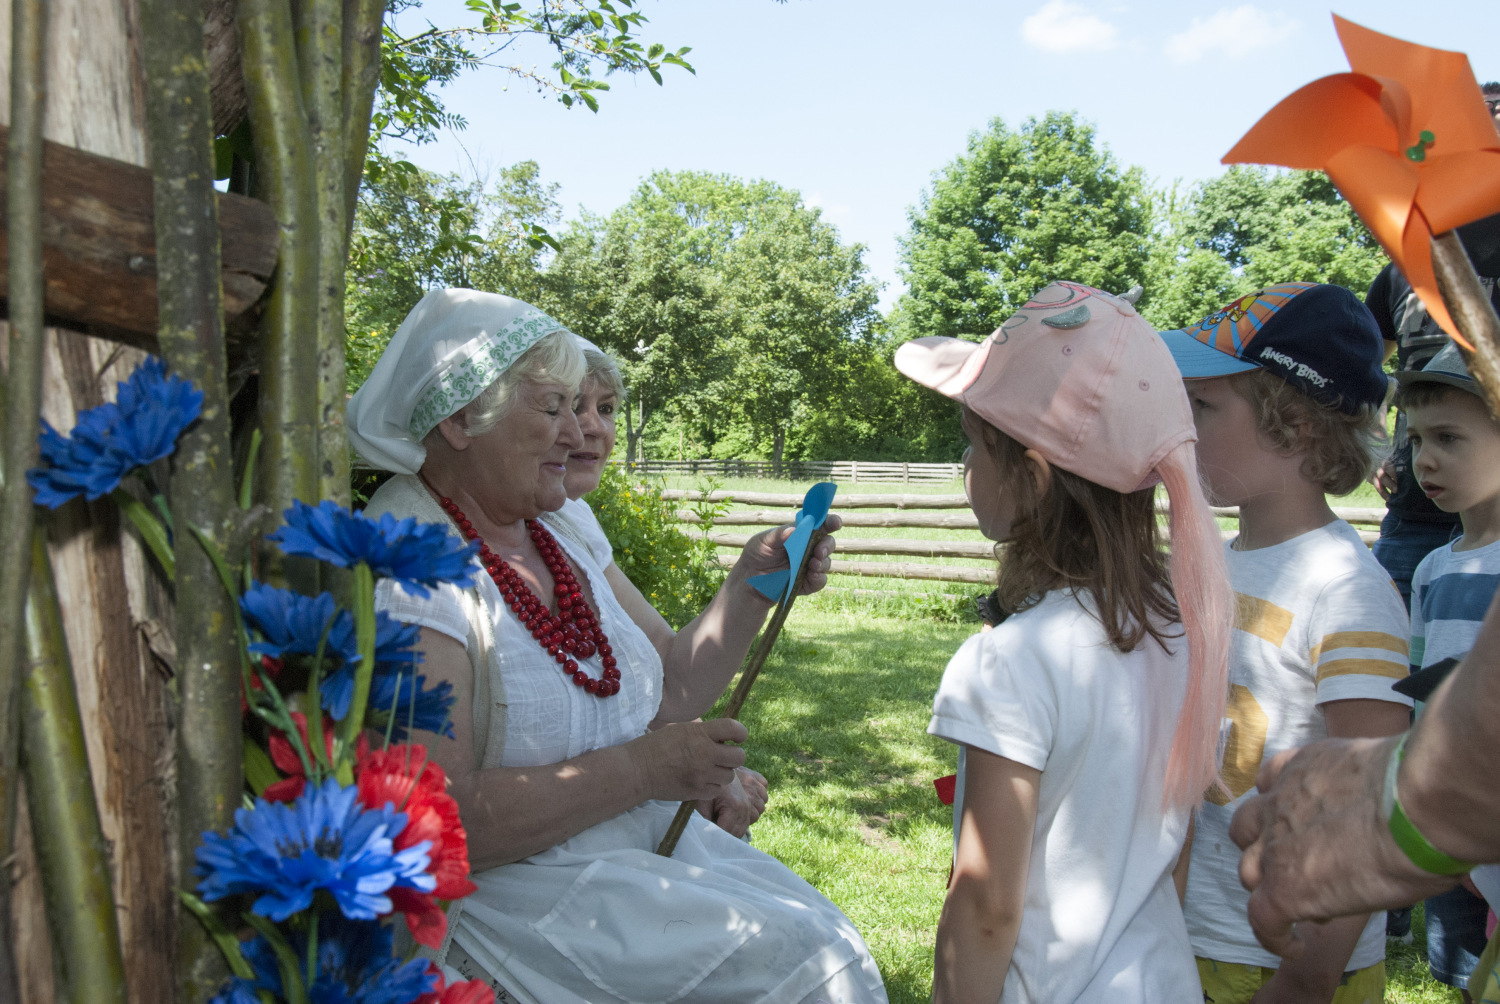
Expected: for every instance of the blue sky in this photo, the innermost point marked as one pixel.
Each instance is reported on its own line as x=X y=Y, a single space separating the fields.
x=855 y=103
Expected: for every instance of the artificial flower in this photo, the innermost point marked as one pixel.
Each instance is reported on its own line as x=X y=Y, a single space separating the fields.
x=431 y=711
x=418 y=555
x=323 y=840
x=1406 y=138
x=356 y=965
x=403 y=776
x=466 y=992
x=106 y=443
x=285 y=757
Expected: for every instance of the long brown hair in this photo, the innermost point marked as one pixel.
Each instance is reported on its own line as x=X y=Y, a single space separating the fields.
x=1082 y=536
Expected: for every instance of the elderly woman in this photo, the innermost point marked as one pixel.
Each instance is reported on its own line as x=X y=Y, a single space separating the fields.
x=574 y=738
x=599 y=398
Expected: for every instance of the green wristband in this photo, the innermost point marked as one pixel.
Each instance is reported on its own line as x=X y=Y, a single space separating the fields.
x=1415 y=846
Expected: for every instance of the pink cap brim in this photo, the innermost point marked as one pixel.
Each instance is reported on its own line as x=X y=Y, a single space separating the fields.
x=947 y=365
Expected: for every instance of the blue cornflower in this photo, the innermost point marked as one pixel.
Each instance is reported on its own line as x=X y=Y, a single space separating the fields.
x=291 y=623
x=418 y=555
x=356 y=965
x=430 y=715
x=108 y=442
x=323 y=840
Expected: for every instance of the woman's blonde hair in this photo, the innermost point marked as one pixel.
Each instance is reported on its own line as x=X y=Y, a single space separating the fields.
x=1340 y=451
x=555 y=358
x=602 y=369
x=1083 y=536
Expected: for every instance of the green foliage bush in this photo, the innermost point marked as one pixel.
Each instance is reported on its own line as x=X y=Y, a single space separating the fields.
x=677 y=571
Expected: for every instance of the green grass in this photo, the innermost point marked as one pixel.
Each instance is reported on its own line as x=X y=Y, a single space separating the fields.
x=838 y=724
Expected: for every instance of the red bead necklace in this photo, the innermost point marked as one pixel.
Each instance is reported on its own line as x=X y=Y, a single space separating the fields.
x=574 y=631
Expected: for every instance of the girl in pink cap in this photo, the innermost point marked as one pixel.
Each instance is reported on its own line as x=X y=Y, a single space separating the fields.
x=1088 y=720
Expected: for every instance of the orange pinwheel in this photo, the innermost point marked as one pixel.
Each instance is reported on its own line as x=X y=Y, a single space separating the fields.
x=1406 y=138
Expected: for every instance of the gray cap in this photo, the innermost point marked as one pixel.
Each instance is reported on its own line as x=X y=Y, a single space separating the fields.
x=1446 y=367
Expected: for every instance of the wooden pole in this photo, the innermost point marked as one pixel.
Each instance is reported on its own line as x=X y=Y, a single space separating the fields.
x=191 y=337
x=742 y=691
x=1472 y=312
x=20 y=398
x=65 y=828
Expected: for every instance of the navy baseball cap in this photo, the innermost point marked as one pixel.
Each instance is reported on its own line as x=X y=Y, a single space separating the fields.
x=1317 y=337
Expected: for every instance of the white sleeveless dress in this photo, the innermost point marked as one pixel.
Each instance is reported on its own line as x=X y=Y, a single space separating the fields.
x=601 y=917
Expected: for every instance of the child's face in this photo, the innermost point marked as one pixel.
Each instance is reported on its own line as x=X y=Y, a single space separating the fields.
x=1236 y=464
x=990 y=496
x=1455 y=451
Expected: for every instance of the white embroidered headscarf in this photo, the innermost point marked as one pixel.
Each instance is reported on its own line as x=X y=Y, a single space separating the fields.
x=454 y=344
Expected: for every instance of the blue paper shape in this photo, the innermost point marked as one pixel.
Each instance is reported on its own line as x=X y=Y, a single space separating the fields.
x=778 y=585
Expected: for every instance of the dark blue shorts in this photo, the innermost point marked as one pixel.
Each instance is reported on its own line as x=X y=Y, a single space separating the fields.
x=1455 y=935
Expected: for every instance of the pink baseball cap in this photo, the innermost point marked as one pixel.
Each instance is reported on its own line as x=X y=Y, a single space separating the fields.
x=1075 y=374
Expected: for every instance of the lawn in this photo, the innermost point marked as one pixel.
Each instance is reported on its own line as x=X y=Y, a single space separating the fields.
x=838 y=725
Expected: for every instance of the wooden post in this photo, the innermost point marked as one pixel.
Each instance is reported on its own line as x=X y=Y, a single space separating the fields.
x=1472 y=312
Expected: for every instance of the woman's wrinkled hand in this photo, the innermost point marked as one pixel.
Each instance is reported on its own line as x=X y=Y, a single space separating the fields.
x=766 y=552
x=688 y=761
x=740 y=804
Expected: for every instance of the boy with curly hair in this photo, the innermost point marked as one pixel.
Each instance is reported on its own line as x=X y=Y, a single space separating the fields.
x=1287 y=392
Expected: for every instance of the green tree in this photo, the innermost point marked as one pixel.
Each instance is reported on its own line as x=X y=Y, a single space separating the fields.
x=1248 y=228
x=727 y=301
x=1017 y=210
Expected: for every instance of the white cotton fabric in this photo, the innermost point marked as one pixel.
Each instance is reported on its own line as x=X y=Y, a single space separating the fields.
x=1046 y=689
x=1317 y=620
x=577 y=516
x=601 y=917
x=453 y=344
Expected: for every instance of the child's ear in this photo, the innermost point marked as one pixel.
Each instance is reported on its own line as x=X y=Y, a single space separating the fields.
x=1041 y=473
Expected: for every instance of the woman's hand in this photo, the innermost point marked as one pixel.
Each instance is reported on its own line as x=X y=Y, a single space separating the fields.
x=766 y=552
x=688 y=761
x=740 y=804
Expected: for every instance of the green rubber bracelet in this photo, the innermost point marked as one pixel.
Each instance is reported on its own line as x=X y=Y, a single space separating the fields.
x=1415 y=846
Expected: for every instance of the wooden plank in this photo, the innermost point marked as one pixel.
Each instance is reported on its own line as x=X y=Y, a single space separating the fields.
x=912 y=570
x=99 y=246
x=887 y=545
x=841 y=502
x=912 y=520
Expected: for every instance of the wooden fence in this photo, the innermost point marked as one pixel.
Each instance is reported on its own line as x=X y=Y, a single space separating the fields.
x=842 y=471
x=930 y=512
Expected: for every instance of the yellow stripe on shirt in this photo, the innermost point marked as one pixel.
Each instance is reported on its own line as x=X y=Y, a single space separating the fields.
x=1360 y=639
x=1262 y=618
x=1362 y=667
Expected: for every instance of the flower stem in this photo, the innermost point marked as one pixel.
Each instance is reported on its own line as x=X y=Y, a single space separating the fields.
x=364 y=638
x=153 y=533
x=312 y=948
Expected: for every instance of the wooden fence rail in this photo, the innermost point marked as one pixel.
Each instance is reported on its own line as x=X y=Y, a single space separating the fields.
x=924 y=512
x=847 y=471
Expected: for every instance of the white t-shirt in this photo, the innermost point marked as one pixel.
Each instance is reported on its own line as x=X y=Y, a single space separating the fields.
x=1045 y=688
x=1317 y=620
x=577 y=516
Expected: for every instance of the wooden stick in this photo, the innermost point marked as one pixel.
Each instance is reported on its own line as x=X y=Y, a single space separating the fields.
x=1472 y=312
x=742 y=690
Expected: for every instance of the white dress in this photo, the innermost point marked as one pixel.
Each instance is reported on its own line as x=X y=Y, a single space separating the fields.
x=601 y=917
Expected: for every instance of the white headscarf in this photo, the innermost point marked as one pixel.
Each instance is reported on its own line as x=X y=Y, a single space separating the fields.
x=453 y=345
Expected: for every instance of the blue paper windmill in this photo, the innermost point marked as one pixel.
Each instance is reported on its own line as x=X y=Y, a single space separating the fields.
x=778 y=585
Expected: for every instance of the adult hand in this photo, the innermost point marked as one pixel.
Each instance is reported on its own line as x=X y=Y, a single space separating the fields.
x=1384 y=479
x=739 y=805
x=688 y=760
x=766 y=552
x=1317 y=845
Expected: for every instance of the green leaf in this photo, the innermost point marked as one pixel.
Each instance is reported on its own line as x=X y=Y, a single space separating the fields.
x=228 y=943
x=292 y=986
x=589 y=100
x=247 y=483
x=153 y=533
x=655 y=51
x=655 y=75
x=260 y=772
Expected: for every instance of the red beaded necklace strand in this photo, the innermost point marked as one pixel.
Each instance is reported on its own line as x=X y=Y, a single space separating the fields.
x=574 y=630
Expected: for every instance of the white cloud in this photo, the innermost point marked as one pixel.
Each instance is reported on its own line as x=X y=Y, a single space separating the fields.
x=833 y=211
x=1229 y=33
x=1063 y=27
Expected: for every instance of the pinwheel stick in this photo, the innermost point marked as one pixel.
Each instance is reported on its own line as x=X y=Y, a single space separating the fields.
x=736 y=701
x=1472 y=313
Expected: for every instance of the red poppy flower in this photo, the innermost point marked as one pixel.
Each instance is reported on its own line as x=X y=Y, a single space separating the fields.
x=402 y=776
x=284 y=756
x=272 y=667
x=467 y=992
